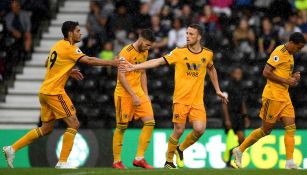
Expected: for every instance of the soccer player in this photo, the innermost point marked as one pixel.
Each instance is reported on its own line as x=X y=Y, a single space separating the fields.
x=235 y=112
x=276 y=102
x=55 y=104
x=132 y=100
x=191 y=63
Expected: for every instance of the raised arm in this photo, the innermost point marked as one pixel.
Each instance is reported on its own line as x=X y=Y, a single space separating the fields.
x=93 y=61
x=213 y=76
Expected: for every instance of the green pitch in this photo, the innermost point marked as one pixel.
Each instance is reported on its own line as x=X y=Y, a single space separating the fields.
x=109 y=171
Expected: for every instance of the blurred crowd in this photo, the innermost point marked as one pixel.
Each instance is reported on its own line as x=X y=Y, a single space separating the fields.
x=242 y=33
x=20 y=21
x=251 y=27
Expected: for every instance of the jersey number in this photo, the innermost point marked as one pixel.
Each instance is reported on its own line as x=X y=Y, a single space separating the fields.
x=52 y=58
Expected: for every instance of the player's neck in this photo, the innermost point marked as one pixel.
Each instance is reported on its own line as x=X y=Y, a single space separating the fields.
x=287 y=48
x=71 y=41
x=195 y=48
x=136 y=46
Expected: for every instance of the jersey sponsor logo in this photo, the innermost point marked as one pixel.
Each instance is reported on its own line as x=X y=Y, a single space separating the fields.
x=276 y=58
x=78 y=51
x=185 y=58
x=193 y=69
x=193 y=66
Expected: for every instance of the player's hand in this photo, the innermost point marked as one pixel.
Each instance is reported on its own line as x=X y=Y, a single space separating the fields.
x=76 y=74
x=228 y=124
x=297 y=75
x=136 y=100
x=124 y=65
x=222 y=96
x=292 y=81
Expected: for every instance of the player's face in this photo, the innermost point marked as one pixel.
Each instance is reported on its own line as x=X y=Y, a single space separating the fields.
x=294 y=48
x=192 y=36
x=76 y=34
x=145 y=45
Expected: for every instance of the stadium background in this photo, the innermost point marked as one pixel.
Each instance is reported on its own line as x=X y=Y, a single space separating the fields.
x=233 y=30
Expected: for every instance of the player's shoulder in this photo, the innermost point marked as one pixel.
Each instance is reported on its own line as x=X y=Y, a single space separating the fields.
x=64 y=45
x=128 y=48
x=207 y=50
x=281 y=49
x=182 y=47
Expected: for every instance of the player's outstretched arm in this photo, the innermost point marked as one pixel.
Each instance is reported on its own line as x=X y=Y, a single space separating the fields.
x=126 y=66
x=269 y=74
x=213 y=76
x=93 y=61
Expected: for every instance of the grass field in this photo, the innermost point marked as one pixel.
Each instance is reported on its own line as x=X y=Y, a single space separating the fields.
x=109 y=171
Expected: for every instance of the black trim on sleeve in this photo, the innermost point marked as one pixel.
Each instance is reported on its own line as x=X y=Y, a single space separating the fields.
x=270 y=65
x=166 y=61
x=79 y=58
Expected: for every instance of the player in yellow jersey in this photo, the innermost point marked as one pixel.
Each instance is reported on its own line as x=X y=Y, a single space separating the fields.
x=55 y=104
x=132 y=101
x=276 y=102
x=191 y=64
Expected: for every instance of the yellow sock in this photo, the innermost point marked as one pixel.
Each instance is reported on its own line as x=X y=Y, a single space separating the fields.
x=172 y=145
x=118 y=140
x=27 y=139
x=190 y=139
x=68 y=142
x=145 y=137
x=252 y=138
x=289 y=140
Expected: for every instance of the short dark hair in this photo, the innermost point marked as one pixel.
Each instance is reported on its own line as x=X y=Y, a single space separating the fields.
x=68 y=26
x=297 y=38
x=197 y=27
x=148 y=35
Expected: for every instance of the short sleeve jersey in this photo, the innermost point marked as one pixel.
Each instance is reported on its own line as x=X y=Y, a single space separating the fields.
x=190 y=72
x=134 y=78
x=283 y=63
x=62 y=58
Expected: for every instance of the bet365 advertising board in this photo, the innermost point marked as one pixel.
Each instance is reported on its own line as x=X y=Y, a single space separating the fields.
x=93 y=148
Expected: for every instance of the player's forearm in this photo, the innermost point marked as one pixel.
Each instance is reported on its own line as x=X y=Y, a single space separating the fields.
x=213 y=76
x=97 y=62
x=273 y=77
x=122 y=79
x=149 y=64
